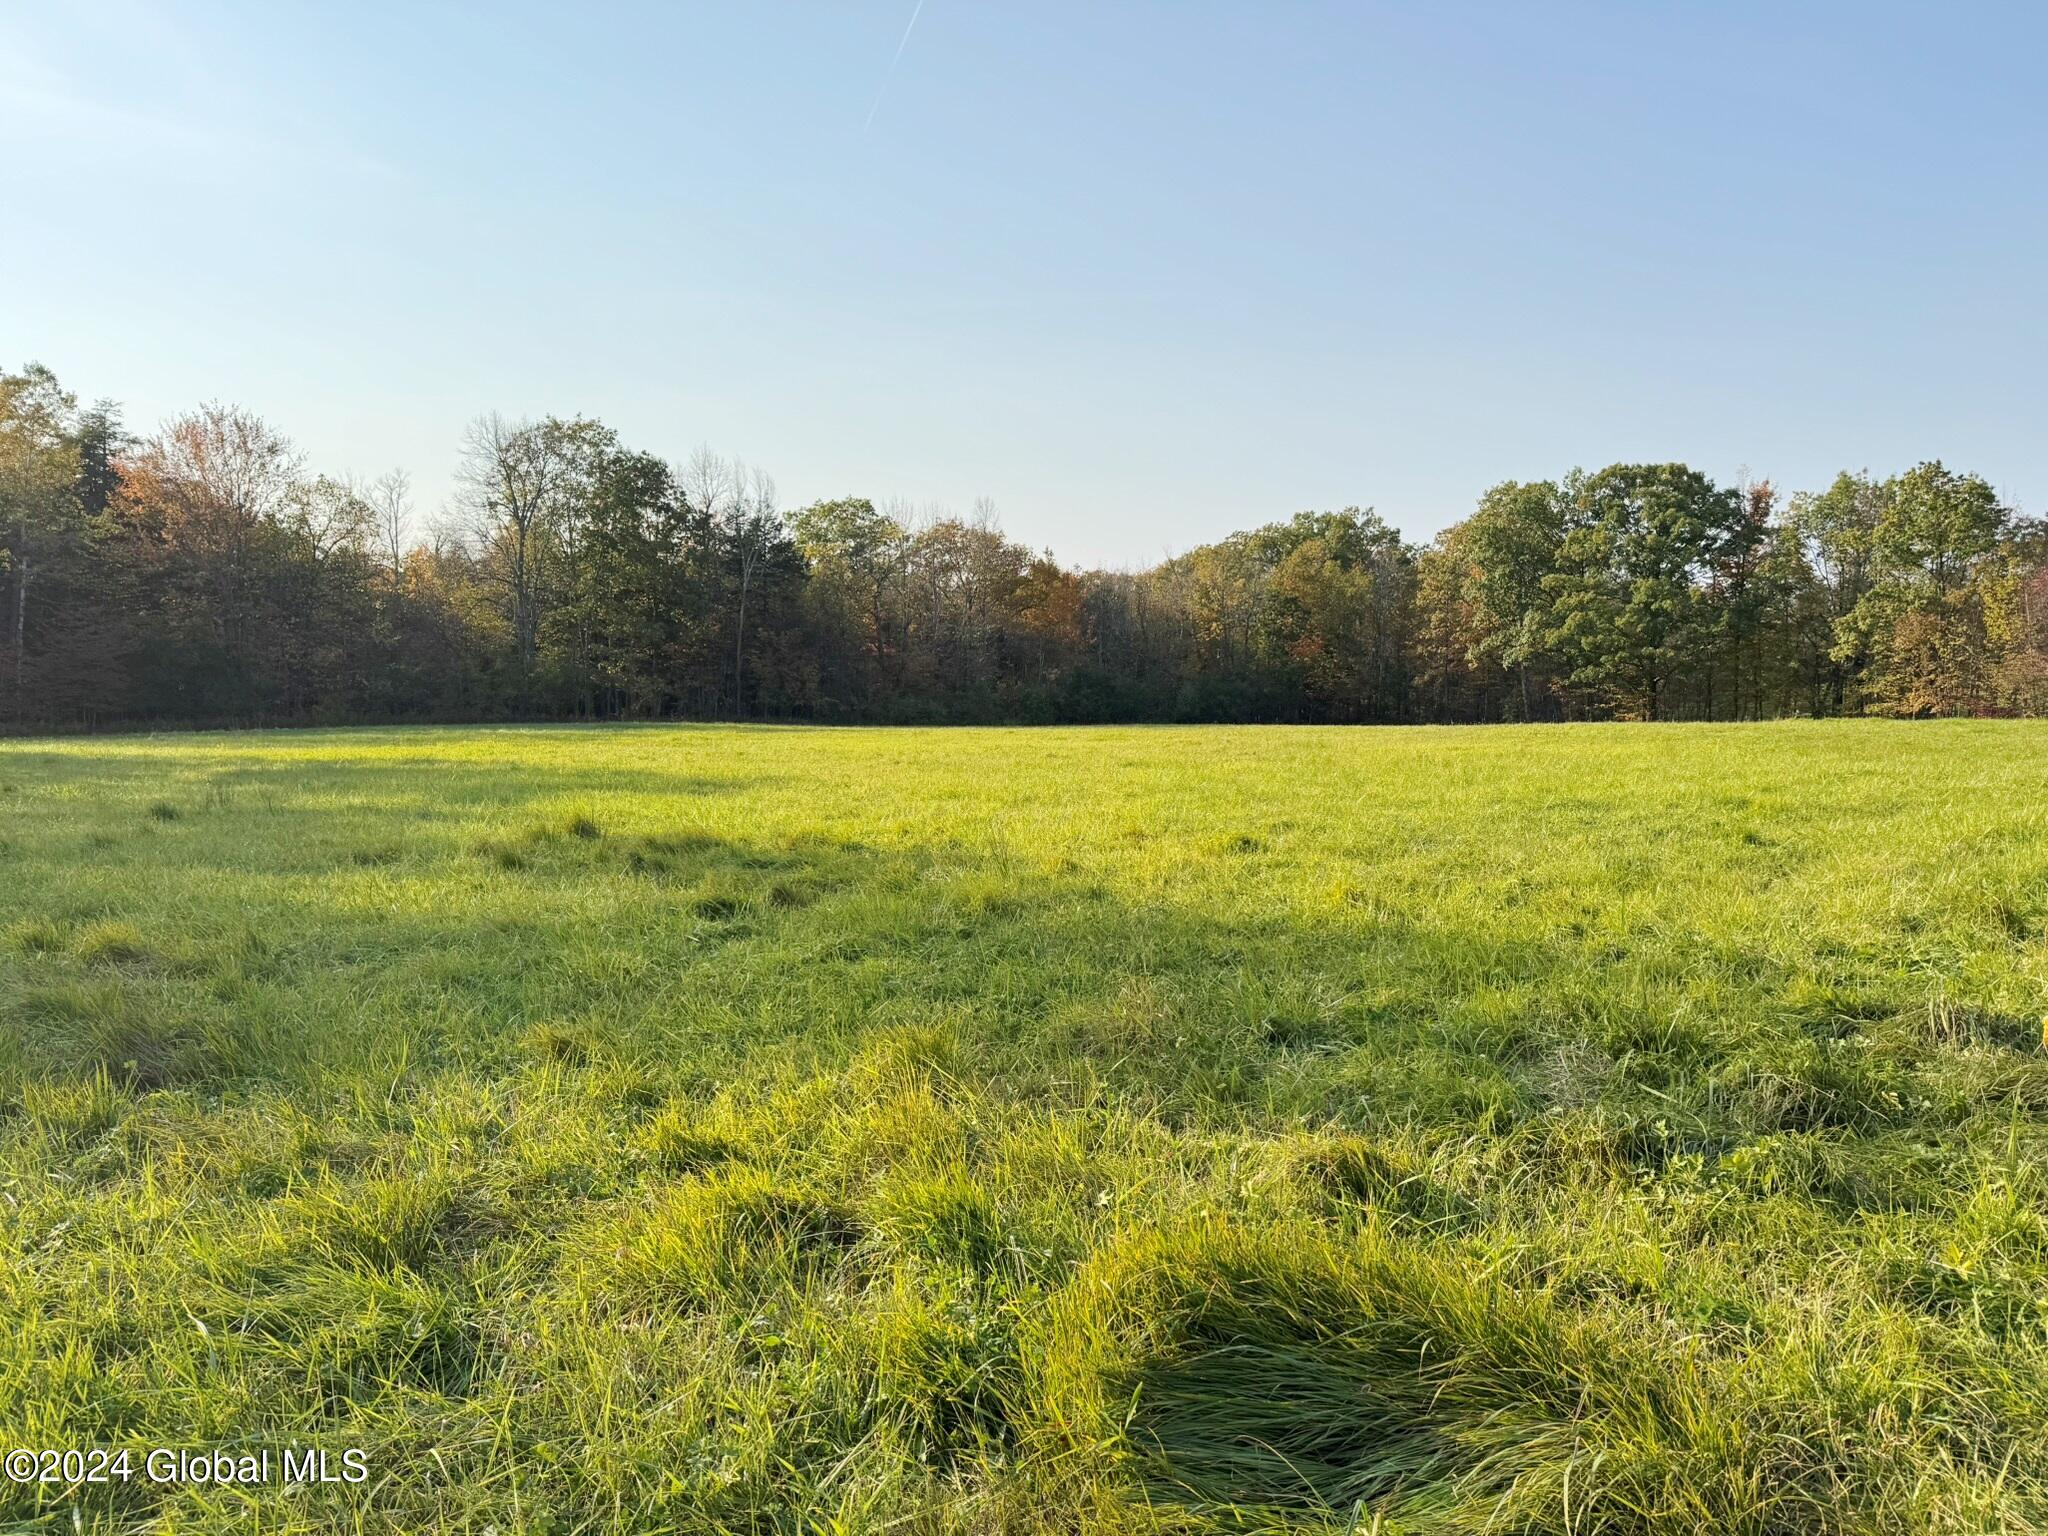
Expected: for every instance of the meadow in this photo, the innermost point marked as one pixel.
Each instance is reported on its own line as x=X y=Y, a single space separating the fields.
x=711 y=1128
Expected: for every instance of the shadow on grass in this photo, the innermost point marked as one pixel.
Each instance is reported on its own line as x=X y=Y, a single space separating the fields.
x=160 y=778
x=706 y=958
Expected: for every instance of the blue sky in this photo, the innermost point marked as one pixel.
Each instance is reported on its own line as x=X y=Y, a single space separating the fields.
x=1141 y=273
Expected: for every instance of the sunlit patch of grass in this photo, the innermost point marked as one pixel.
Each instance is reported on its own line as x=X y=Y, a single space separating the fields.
x=110 y=943
x=687 y=1138
x=564 y=1044
x=948 y=1363
x=35 y=936
x=69 y=1111
x=731 y=1233
x=384 y=1224
x=947 y=1218
x=1389 y=1176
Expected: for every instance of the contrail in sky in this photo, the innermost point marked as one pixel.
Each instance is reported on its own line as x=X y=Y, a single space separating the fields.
x=891 y=73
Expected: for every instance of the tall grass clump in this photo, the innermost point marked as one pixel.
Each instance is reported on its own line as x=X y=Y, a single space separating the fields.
x=1289 y=1376
x=731 y=1233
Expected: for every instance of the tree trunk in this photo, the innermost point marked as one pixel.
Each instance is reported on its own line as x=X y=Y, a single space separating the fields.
x=739 y=655
x=20 y=620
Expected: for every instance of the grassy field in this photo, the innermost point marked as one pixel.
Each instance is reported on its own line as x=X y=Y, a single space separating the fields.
x=1573 y=1129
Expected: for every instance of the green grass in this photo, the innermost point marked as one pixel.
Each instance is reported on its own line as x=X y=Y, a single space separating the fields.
x=1583 y=1129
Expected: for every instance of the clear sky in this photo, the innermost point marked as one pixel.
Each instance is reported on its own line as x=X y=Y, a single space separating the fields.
x=1141 y=273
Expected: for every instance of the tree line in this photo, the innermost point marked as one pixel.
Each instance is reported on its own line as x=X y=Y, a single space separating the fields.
x=205 y=575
